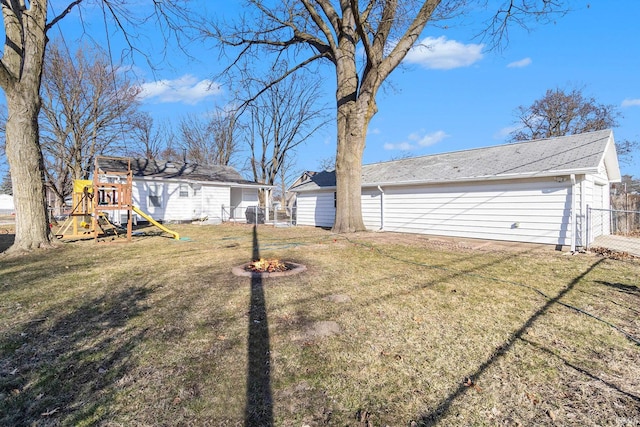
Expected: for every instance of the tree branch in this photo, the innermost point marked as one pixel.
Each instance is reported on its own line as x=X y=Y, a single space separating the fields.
x=55 y=20
x=330 y=13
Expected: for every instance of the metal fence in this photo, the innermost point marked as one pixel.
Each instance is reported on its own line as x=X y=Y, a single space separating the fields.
x=277 y=217
x=614 y=229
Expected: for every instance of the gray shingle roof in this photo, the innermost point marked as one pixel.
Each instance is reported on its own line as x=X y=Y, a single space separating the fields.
x=146 y=168
x=543 y=157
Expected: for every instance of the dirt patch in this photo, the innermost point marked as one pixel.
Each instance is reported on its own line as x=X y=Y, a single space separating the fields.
x=321 y=329
x=339 y=298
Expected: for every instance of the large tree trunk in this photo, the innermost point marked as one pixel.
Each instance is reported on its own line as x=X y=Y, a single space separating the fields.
x=20 y=77
x=27 y=171
x=351 y=141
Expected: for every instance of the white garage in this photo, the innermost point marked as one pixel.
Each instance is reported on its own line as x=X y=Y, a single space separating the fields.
x=536 y=191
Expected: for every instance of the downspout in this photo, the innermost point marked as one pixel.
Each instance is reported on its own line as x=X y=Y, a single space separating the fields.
x=583 y=215
x=381 y=208
x=202 y=212
x=573 y=212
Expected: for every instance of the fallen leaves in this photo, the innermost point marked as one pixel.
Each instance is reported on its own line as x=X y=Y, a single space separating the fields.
x=468 y=382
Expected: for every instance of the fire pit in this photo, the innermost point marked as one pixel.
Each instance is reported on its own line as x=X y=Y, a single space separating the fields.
x=264 y=268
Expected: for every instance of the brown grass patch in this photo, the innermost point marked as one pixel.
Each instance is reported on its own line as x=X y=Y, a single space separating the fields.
x=159 y=332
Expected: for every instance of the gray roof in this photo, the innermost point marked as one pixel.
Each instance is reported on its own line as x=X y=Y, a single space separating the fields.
x=581 y=153
x=152 y=169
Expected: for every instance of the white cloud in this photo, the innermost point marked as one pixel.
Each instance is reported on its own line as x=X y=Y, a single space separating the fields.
x=185 y=89
x=520 y=64
x=417 y=140
x=442 y=54
x=404 y=146
x=631 y=102
x=506 y=131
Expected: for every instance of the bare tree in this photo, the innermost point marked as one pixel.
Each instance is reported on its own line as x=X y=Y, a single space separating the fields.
x=20 y=74
x=327 y=164
x=26 y=27
x=209 y=139
x=364 y=43
x=563 y=112
x=150 y=141
x=286 y=175
x=87 y=106
x=5 y=184
x=627 y=150
x=282 y=118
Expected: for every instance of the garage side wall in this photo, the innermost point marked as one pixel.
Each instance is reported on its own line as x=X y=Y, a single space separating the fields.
x=371 y=209
x=532 y=210
x=316 y=209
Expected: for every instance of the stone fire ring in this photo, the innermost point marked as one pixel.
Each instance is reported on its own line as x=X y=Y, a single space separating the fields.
x=294 y=269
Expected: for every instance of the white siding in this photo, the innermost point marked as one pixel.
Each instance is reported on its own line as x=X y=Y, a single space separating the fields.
x=140 y=194
x=581 y=210
x=207 y=201
x=212 y=199
x=177 y=208
x=527 y=210
x=600 y=217
x=371 y=208
x=316 y=209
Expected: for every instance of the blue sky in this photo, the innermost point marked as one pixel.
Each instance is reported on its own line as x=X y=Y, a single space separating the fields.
x=455 y=96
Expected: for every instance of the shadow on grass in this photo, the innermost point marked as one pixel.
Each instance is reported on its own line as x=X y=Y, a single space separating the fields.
x=581 y=370
x=627 y=289
x=259 y=405
x=432 y=417
x=63 y=369
x=6 y=240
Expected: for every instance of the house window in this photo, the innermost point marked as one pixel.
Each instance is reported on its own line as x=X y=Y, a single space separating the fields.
x=155 y=196
x=184 y=190
x=335 y=199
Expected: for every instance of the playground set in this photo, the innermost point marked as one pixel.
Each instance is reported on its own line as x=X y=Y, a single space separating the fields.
x=109 y=191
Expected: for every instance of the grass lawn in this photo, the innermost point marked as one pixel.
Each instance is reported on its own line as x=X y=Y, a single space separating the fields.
x=382 y=329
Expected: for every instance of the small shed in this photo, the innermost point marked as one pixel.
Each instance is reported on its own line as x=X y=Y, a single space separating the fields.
x=536 y=191
x=182 y=192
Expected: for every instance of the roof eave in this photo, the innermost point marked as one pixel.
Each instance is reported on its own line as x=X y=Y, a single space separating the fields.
x=198 y=181
x=610 y=159
x=546 y=174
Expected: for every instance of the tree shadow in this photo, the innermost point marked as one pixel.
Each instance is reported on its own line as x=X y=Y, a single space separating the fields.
x=581 y=370
x=627 y=289
x=259 y=405
x=64 y=370
x=6 y=241
x=432 y=417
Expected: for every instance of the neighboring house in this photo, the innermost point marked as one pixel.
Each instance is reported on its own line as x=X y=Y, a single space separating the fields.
x=291 y=195
x=6 y=204
x=536 y=191
x=182 y=192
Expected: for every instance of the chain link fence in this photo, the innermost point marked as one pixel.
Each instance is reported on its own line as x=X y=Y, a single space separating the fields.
x=284 y=217
x=614 y=230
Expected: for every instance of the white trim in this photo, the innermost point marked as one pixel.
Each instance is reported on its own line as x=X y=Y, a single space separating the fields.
x=573 y=213
x=460 y=180
x=202 y=182
x=381 y=208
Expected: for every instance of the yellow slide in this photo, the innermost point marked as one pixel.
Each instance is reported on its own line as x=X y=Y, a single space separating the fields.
x=156 y=223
